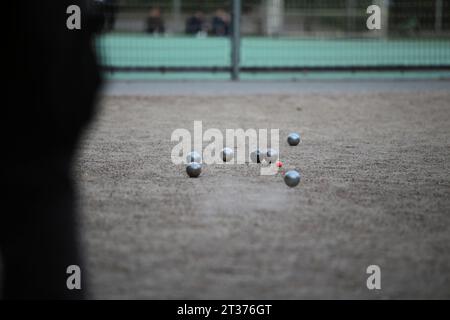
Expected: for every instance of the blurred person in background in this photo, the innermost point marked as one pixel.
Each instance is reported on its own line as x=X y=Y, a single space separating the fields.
x=220 y=25
x=105 y=14
x=195 y=23
x=110 y=14
x=50 y=100
x=155 y=22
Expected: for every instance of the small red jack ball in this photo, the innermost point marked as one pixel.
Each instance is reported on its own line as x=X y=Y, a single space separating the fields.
x=279 y=164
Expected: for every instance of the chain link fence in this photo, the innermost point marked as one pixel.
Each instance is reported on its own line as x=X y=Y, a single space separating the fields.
x=273 y=36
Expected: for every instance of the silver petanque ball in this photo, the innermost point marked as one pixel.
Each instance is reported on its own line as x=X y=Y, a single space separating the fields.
x=271 y=155
x=292 y=178
x=293 y=139
x=227 y=154
x=193 y=157
x=256 y=156
x=194 y=169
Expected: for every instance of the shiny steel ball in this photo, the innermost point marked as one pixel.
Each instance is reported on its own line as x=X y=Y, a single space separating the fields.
x=271 y=155
x=293 y=139
x=193 y=157
x=256 y=156
x=194 y=169
x=227 y=154
x=292 y=178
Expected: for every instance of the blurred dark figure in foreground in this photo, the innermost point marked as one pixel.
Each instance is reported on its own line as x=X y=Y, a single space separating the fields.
x=54 y=81
x=220 y=25
x=155 y=23
x=195 y=23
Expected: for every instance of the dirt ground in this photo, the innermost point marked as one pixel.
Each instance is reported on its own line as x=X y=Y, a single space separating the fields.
x=375 y=190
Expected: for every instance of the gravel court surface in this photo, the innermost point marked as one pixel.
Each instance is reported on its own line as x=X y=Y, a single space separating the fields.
x=375 y=190
x=245 y=88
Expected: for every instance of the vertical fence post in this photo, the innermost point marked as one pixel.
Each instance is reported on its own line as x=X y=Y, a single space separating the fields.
x=384 y=5
x=438 y=16
x=350 y=16
x=176 y=15
x=235 y=39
